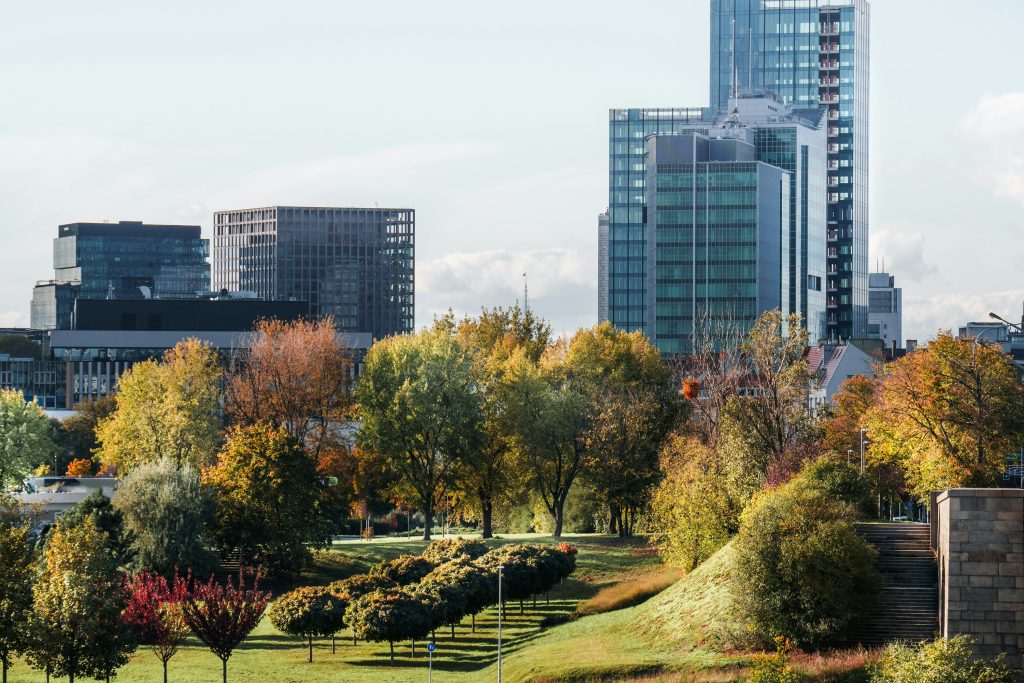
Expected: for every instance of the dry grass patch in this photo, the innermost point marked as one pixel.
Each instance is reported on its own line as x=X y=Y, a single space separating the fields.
x=628 y=593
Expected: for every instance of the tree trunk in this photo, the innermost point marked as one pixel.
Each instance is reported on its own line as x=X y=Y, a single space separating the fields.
x=334 y=650
x=354 y=637
x=557 y=533
x=224 y=667
x=414 y=648
x=488 y=513
x=392 y=644
x=453 y=631
x=428 y=519
x=534 y=601
x=5 y=669
x=613 y=523
x=165 y=671
x=311 y=648
x=473 y=617
x=521 y=610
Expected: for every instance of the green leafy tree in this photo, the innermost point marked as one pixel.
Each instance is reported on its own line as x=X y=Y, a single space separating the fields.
x=800 y=570
x=15 y=591
x=498 y=334
x=167 y=409
x=109 y=521
x=308 y=612
x=389 y=616
x=25 y=440
x=420 y=410
x=272 y=504
x=403 y=570
x=946 y=660
x=166 y=509
x=77 y=603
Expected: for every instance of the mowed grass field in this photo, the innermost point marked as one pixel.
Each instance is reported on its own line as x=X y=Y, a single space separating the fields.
x=268 y=655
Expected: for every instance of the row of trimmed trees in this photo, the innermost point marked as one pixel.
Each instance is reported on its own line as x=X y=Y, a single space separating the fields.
x=71 y=611
x=411 y=597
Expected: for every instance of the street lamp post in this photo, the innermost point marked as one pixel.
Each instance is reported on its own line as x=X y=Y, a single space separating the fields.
x=862 y=432
x=501 y=567
x=849 y=455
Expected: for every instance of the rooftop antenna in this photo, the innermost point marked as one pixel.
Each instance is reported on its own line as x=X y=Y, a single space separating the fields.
x=732 y=58
x=526 y=296
x=750 y=61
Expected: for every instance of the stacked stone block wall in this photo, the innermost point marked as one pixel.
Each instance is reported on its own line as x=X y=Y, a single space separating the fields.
x=979 y=540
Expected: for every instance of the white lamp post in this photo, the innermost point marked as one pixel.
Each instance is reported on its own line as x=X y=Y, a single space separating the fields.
x=501 y=567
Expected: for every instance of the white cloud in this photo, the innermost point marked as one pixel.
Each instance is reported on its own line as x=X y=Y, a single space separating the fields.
x=13 y=319
x=996 y=124
x=924 y=316
x=901 y=250
x=562 y=284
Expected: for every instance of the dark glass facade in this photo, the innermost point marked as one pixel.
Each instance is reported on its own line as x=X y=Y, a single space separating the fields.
x=716 y=220
x=125 y=260
x=812 y=53
x=357 y=265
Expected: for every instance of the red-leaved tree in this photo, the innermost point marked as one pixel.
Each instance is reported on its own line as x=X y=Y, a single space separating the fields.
x=223 y=616
x=154 y=613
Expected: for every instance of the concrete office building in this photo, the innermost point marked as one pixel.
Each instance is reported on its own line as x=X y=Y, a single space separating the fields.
x=124 y=260
x=716 y=219
x=812 y=53
x=885 y=310
x=355 y=264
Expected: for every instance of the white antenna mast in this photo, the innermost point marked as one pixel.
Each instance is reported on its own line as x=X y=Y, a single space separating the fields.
x=526 y=295
x=732 y=57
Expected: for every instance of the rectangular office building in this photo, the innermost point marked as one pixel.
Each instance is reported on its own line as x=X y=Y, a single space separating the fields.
x=716 y=219
x=355 y=264
x=812 y=53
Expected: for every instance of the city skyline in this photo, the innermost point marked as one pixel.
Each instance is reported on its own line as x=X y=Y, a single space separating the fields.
x=507 y=175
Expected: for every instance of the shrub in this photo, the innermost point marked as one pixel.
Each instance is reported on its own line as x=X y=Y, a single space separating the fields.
x=479 y=586
x=308 y=612
x=800 y=570
x=403 y=570
x=447 y=591
x=521 y=576
x=775 y=668
x=943 y=661
x=628 y=593
x=839 y=481
x=448 y=549
x=390 y=615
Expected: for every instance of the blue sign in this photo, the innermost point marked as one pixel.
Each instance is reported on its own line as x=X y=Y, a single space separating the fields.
x=431 y=647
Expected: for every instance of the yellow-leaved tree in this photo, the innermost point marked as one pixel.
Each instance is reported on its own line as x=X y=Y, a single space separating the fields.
x=167 y=409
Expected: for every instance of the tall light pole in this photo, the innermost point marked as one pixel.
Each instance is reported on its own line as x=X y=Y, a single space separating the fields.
x=849 y=455
x=501 y=567
x=862 y=431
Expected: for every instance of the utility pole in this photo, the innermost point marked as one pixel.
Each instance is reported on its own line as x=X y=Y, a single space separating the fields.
x=501 y=568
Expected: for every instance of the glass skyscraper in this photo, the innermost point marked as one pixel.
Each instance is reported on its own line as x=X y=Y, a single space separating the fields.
x=356 y=265
x=124 y=260
x=717 y=218
x=812 y=53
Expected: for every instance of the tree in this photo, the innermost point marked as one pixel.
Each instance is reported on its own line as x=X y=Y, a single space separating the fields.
x=20 y=346
x=846 y=415
x=448 y=549
x=296 y=375
x=24 y=437
x=800 y=570
x=77 y=601
x=271 y=501
x=402 y=570
x=166 y=509
x=773 y=409
x=154 y=613
x=223 y=616
x=166 y=409
x=80 y=468
x=493 y=338
x=948 y=414
x=553 y=417
x=420 y=410
x=390 y=615
x=308 y=612
x=15 y=591
x=109 y=521
x=78 y=432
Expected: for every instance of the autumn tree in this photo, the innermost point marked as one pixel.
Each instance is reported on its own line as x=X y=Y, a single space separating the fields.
x=77 y=601
x=308 y=612
x=81 y=467
x=271 y=501
x=222 y=616
x=389 y=616
x=296 y=375
x=947 y=414
x=24 y=437
x=166 y=409
x=154 y=613
x=773 y=407
x=420 y=410
x=166 y=510
x=108 y=520
x=493 y=338
x=845 y=417
x=78 y=432
x=15 y=591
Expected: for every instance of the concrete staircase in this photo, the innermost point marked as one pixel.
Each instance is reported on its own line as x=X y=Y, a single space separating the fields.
x=908 y=606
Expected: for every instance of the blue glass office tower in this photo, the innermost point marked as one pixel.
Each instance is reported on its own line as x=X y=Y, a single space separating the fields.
x=717 y=219
x=627 y=230
x=810 y=53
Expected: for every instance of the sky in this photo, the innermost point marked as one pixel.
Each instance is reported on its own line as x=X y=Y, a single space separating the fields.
x=489 y=119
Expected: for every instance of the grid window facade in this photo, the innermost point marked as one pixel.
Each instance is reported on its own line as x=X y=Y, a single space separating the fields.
x=357 y=265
